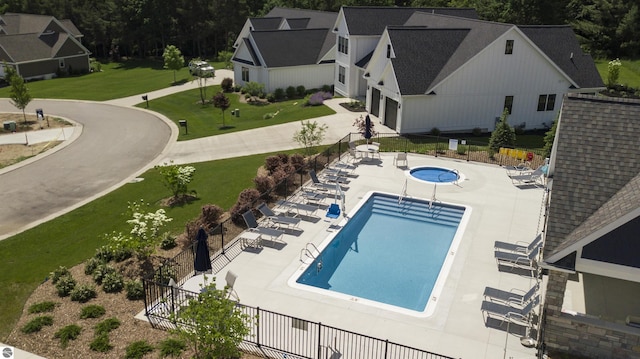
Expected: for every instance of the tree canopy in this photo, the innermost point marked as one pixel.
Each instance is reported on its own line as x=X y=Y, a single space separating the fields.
x=173 y=59
x=202 y=28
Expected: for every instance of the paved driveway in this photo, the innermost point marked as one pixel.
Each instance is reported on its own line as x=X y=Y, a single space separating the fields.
x=116 y=144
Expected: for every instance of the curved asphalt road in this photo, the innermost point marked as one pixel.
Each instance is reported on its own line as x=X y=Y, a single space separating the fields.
x=117 y=143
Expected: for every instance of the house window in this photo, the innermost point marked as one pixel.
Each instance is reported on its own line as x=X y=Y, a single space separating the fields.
x=341 y=74
x=388 y=51
x=245 y=74
x=508 y=103
x=343 y=45
x=546 y=102
x=61 y=63
x=508 y=49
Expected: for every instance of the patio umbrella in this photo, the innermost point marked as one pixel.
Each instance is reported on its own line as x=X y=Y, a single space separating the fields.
x=202 y=262
x=367 y=128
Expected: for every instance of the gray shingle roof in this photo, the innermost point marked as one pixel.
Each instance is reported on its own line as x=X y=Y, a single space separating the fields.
x=266 y=23
x=282 y=48
x=317 y=19
x=415 y=68
x=560 y=44
x=597 y=165
x=300 y=23
x=372 y=20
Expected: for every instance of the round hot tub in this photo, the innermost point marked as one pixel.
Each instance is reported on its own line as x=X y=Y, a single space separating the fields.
x=438 y=175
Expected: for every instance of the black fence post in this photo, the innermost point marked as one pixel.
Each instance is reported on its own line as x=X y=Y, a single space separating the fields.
x=386 y=348
x=222 y=236
x=145 y=286
x=258 y=327
x=468 y=151
x=319 y=340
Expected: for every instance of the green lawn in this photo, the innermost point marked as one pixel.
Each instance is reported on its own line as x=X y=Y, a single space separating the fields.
x=629 y=72
x=116 y=80
x=206 y=120
x=27 y=259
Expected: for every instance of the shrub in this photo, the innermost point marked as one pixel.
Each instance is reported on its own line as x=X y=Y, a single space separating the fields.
x=42 y=307
x=271 y=97
x=227 y=84
x=326 y=88
x=36 y=324
x=237 y=88
x=168 y=241
x=278 y=94
x=91 y=264
x=477 y=131
x=58 y=273
x=134 y=289
x=92 y=311
x=272 y=163
x=245 y=201
x=192 y=227
x=502 y=136
x=112 y=283
x=104 y=253
x=254 y=88
x=83 y=293
x=268 y=116
x=435 y=132
x=301 y=91
x=121 y=254
x=70 y=332
x=138 y=349
x=291 y=92
x=318 y=98
x=263 y=183
x=101 y=272
x=106 y=326
x=279 y=175
x=297 y=161
x=65 y=285
x=101 y=343
x=211 y=214
x=171 y=347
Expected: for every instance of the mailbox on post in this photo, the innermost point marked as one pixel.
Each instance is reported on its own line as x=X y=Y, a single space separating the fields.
x=146 y=98
x=183 y=123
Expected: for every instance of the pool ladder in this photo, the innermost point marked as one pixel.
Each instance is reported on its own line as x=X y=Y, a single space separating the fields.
x=309 y=251
x=454 y=171
x=403 y=193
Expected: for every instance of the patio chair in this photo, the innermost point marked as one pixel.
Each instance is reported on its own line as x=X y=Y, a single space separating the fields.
x=525 y=261
x=520 y=169
x=334 y=211
x=514 y=296
x=321 y=185
x=510 y=314
x=276 y=220
x=344 y=166
x=521 y=247
x=401 y=157
x=535 y=178
x=288 y=205
x=312 y=197
x=230 y=278
x=252 y=224
x=330 y=178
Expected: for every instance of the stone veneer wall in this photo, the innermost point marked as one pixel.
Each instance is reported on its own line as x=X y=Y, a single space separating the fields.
x=582 y=335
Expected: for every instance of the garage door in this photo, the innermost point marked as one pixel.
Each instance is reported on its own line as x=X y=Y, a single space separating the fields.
x=390 y=113
x=375 y=102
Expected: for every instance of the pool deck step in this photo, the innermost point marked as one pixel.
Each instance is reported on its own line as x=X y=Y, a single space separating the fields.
x=418 y=210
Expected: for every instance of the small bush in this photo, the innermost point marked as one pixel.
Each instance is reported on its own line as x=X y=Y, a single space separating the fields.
x=271 y=97
x=106 y=326
x=92 y=311
x=297 y=161
x=83 y=293
x=135 y=289
x=91 y=264
x=268 y=116
x=245 y=202
x=318 y=98
x=42 y=307
x=326 y=88
x=36 y=324
x=112 y=283
x=263 y=183
x=171 y=347
x=70 y=332
x=58 y=273
x=435 y=132
x=65 y=285
x=291 y=92
x=121 y=254
x=278 y=94
x=227 y=84
x=254 y=88
x=211 y=214
x=272 y=163
x=301 y=91
x=138 y=349
x=101 y=343
x=168 y=241
x=104 y=253
x=101 y=271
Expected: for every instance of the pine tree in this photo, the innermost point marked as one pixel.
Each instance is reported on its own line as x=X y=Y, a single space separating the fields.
x=503 y=136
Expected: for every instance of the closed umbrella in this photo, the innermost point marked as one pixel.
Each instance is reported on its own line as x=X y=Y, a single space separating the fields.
x=367 y=128
x=202 y=262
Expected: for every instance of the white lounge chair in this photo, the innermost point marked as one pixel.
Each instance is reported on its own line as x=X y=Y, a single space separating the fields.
x=328 y=177
x=509 y=313
x=535 y=178
x=511 y=297
x=401 y=157
x=521 y=247
x=276 y=220
x=230 y=278
x=253 y=226
x=321 y=185
x=288 y=205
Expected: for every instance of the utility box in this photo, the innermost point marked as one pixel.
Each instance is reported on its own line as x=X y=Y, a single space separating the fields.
x=237 y=112
x=9 y=126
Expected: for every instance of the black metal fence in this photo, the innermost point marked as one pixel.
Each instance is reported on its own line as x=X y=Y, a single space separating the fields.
x=294 y=335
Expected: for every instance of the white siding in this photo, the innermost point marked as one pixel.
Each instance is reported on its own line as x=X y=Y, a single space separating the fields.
x=311 y=76
x=474 y=95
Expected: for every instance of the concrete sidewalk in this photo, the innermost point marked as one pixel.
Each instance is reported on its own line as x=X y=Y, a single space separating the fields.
x=38 y=136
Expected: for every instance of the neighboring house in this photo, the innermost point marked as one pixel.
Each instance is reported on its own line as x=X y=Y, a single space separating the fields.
x=39 y=46
x=458 y=74
x=288 y=47
x=592 y=237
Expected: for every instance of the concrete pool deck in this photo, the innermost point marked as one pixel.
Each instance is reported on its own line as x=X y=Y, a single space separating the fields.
x=501 y=211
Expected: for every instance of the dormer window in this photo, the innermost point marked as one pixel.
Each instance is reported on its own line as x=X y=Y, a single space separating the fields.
x=508 y=49
x=388 y=51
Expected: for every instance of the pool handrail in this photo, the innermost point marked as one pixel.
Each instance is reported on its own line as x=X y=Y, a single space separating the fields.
x=454 y=171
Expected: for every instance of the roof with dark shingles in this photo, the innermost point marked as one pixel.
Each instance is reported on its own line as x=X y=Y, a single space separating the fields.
x=290 y=47
x=300 y=23
x=415 y=68
x=559 y=43
x=372 y=20
x=596 y=176
x=266 y=23
x=317 y=19
x=25 y=23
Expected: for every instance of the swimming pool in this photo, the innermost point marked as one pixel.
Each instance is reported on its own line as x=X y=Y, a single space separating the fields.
x=437 y=175
x=390 y=254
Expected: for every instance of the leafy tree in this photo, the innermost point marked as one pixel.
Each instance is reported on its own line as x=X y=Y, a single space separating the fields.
x=173 y=59
x=212 y=324
x=503 y=136
x=311 y=135
x=549 y=137
x=19 y=94
x=221 y=101
x=176 y=178
x=613 y=72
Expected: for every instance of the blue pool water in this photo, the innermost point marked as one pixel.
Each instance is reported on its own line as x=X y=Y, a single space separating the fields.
x=434 y=174
x=388 y=252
